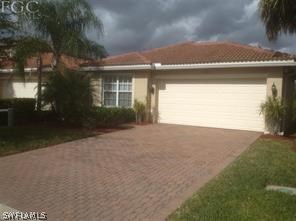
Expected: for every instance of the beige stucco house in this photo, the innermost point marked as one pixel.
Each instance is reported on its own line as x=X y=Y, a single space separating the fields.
x=209 y=84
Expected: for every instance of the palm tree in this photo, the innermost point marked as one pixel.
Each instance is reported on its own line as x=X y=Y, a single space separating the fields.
x=28 y=47
x=60 y=28
x=278 y=16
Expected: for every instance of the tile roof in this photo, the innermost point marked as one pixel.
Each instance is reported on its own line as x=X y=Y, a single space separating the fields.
x=196 y=53
x=47 y=58
x=126 y=59
x=182 y=53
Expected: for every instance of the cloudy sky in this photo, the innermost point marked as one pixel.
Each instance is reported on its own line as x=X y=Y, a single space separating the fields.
x=135 y=25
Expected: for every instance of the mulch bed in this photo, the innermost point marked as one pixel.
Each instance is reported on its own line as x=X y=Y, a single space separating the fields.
x=140 y=124
x=108 y=130
x=103 y=130
x=281 y=138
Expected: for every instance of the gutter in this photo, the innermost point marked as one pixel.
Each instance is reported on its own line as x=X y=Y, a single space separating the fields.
x=228 y=65
x=159 y=66
x=117 y=68
x=11 y=70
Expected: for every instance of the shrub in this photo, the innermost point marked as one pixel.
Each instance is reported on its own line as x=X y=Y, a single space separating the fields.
x=26 y=104
x=47 y=116
x=273 y=110
x=109 y=117
x=24 y=109
x=139 y=108
x=69 y=95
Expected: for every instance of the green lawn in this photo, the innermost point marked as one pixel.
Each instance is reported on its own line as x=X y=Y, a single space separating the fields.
x=19 y=139
x=238 y=194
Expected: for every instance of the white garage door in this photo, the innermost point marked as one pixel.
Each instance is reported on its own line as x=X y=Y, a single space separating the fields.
x=24 y=90
x=230 y=104
x=19 y=89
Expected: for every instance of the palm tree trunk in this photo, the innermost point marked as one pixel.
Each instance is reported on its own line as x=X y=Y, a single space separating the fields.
x=39 y=86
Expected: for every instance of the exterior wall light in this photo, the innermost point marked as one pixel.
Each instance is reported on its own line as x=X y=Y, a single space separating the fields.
x=274 y=91
x=152 y=90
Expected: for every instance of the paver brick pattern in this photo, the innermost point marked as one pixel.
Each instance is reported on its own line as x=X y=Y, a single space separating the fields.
x=139 y=174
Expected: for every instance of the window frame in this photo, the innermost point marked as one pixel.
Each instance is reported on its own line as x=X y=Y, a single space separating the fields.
x=117 y=91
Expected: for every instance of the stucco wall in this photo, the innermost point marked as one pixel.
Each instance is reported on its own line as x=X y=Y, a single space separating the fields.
x=97 y=86
x=140 y=86
x=218 y=73
x=277 y=80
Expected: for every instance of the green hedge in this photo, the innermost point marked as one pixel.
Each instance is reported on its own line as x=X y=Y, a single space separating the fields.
x=24 y=109
x=109 y=117
x=24 y=112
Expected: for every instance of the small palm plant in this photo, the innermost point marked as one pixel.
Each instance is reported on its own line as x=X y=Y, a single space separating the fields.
x=139 y=108
x=273 y=109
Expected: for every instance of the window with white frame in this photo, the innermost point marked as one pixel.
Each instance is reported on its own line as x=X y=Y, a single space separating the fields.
x=117 y=91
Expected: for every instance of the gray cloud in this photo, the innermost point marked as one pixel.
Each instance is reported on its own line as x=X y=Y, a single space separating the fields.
x=134 y=25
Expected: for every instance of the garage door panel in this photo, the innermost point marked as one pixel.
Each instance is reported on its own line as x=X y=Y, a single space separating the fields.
x=232 y=104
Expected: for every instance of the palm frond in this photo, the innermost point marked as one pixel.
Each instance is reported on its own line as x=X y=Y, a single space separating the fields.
x=81 y=47
x=278 y=17
x=64 y=23
x=26 y=48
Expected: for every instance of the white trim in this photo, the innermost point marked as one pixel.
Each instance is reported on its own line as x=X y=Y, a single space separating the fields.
x=117 y=68
x=11 y=70
x=117 y=91
x=133 y=90
x=159 y=66
x=117 y=76
x=227 y=65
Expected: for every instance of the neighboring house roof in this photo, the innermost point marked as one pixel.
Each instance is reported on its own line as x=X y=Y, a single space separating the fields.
x=196 y=53
x=47 y=59
x=125 y=59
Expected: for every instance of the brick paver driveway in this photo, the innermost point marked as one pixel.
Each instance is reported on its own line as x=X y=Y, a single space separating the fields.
x=139 y=174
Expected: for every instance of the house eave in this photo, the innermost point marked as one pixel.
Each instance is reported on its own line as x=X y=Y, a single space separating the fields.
x=117 y=68
x=228 y=65
x=26 y=70
x=159 y=66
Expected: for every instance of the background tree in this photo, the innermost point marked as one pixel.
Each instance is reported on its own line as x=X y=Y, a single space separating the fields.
x=60 y=28
x=278 y=16
x=7 y=33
